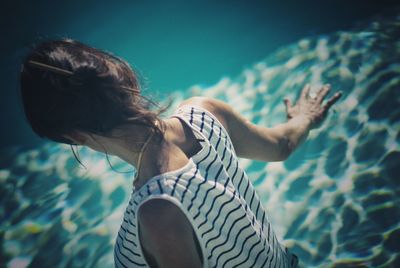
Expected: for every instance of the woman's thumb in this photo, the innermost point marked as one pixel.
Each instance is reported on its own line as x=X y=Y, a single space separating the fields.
x=287 y=102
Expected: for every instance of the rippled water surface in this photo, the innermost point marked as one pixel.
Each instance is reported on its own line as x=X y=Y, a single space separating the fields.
x=334 y=202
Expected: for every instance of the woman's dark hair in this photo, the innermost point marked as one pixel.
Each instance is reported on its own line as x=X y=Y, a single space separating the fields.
x=96 y=91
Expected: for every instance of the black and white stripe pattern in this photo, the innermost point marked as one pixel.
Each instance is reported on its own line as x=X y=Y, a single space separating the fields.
x=218 y=199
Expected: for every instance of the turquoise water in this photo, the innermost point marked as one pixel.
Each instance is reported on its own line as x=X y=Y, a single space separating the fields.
x=334 y=202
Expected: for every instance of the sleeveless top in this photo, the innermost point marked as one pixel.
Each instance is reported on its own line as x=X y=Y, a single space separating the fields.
x=218 y=199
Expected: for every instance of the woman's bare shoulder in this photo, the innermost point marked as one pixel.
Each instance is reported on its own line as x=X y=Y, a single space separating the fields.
x=195 y=100
x=214 y=106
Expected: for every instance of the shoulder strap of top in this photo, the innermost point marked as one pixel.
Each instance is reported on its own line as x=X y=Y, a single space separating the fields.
x=190 y=115
x=202 y=120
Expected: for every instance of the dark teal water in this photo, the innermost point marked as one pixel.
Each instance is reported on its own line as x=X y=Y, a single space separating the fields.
x=334 y=202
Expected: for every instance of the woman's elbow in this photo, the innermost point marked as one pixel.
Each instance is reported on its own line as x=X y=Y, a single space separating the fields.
x=286 y=148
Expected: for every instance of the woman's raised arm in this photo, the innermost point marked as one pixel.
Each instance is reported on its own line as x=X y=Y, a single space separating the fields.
x=278 y=142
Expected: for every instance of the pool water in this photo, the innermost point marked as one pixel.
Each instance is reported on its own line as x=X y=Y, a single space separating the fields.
x=334 y=202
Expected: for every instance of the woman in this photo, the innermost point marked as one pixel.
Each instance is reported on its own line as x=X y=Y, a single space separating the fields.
x=192 y=205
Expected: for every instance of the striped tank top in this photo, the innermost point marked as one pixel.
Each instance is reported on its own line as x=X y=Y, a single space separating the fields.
x=218 y=199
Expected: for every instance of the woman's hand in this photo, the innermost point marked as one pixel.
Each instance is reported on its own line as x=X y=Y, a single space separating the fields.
x=311 y=108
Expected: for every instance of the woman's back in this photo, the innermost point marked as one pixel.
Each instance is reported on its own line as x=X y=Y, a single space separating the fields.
x=219 y=201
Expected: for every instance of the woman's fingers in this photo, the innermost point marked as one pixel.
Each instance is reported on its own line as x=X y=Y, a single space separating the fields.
x=288 y=105
x=332 y=100
x=322 y=93
x=311 y=107
x=305 y=91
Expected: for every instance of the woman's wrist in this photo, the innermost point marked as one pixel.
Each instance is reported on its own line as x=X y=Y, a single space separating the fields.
x=297 y=129
x=302 y=121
